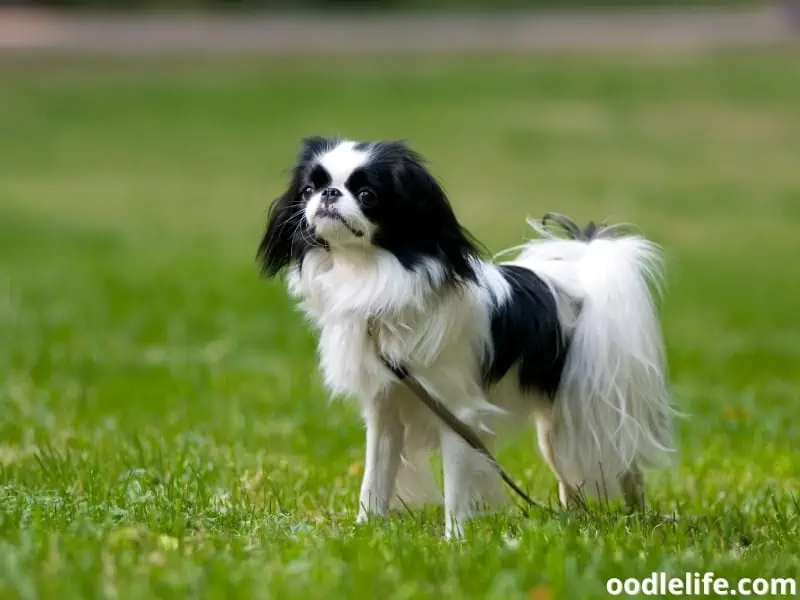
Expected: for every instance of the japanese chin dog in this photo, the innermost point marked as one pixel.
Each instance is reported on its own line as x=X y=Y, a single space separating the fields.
x=564 y=336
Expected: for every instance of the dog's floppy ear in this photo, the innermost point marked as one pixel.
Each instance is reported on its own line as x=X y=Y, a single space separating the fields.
x=286 y=237
x=428 y=214
x=275 y=249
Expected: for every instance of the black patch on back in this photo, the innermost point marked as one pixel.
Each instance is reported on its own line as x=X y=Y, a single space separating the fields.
x=526 y=332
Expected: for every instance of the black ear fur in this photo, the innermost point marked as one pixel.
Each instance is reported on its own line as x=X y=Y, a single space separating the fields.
x=287 y=237
x=275 y=249
x=430 y=221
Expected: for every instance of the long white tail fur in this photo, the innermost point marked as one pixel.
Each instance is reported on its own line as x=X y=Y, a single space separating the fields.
x=612 y=410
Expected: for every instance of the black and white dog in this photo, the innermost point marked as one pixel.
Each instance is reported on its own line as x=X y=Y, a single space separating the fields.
x=565 y=335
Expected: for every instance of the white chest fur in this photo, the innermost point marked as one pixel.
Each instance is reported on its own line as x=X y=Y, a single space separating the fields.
x=437 y=333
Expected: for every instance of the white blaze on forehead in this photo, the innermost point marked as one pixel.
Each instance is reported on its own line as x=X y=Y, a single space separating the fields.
x=341 y=160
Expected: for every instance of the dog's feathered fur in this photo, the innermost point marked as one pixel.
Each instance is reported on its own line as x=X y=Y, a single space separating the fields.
x=566 y=333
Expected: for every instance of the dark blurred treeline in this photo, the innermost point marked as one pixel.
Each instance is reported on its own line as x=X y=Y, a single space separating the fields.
x=344 y=5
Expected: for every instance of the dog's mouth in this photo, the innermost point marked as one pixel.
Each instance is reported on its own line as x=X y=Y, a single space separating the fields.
x=335 y=216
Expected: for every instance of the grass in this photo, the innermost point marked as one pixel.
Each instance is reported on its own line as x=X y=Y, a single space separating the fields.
x=163 y=431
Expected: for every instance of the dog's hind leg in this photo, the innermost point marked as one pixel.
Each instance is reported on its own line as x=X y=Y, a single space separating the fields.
x=567 y=495
x=415 y=485
x=632 y=485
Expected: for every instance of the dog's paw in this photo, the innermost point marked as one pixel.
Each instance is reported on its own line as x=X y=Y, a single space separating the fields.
x=453 y=531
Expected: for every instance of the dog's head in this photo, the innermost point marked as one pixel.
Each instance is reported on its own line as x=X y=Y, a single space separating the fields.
x=370 y=196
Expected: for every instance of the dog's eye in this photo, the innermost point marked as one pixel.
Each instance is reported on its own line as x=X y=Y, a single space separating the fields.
x=307 y=191
x=366 y=195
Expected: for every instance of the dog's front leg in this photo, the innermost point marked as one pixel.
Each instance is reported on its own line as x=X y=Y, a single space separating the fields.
x=471 y=486
x=384 y=445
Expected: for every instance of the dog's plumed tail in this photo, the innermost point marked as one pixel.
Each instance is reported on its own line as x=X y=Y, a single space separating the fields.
x=612 y=411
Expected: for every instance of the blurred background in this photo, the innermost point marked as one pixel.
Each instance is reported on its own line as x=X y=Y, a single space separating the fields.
x=392 y=4
x=396 y=25
x=152 y=385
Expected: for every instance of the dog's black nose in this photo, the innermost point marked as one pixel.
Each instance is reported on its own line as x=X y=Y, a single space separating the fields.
x=330 y=195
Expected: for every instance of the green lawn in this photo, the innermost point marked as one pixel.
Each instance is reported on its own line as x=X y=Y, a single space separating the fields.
x=163 y=430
